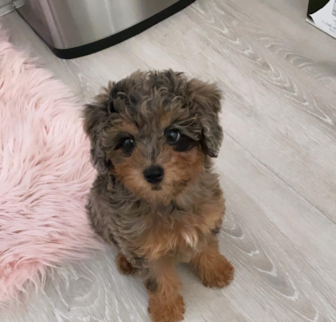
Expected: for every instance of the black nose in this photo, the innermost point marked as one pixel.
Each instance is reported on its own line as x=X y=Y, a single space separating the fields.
x=154 y=174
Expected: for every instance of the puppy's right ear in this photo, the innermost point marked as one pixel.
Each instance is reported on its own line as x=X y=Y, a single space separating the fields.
x=95 y=121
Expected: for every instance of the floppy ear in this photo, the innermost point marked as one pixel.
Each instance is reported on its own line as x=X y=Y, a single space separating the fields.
x=95 y=120
x=206 y=99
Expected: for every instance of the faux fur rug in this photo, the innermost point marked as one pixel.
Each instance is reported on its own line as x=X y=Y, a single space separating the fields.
x=45 y=175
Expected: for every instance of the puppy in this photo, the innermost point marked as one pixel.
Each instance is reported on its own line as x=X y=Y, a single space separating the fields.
x=156 y=196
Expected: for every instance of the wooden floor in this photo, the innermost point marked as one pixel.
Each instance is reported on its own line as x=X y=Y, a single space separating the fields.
x=277 y=165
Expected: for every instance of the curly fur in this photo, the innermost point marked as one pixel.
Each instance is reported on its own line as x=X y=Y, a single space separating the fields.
x=157 y=226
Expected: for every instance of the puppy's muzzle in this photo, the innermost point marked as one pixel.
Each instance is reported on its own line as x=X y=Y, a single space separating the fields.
x=154 y=174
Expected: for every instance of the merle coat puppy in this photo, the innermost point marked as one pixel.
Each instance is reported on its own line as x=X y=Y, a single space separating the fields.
x=156 y=196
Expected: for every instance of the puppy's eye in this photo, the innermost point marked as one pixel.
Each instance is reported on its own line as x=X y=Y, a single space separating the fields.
x=179 y=142
x=173 y=136
x=128 y=145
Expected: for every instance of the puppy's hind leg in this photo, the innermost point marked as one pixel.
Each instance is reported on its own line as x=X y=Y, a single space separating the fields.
x=124 y=266
x=212 y=267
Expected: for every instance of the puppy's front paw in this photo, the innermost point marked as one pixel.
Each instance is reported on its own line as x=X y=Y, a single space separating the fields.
x=170 y=310
x=218 y=273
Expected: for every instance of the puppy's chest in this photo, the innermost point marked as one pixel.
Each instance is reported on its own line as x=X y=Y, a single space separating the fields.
x=182 y=236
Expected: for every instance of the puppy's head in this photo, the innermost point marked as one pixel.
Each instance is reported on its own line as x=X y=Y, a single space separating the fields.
x=154 y=132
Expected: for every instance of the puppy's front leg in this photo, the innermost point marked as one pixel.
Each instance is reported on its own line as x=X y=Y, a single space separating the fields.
x=162 y=283
x=213 y=268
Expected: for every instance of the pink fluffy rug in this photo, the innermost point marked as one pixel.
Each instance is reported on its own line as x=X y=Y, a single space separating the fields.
x=45 y=175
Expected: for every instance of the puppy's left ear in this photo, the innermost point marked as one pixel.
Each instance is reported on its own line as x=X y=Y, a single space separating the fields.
x=206 y=98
